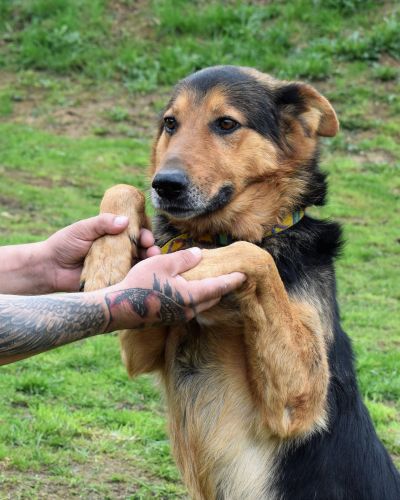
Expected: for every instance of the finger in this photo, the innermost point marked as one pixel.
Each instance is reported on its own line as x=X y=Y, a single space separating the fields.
x=146 y=238
x=153 y=251
x=145 y=253
x=213 y=288
x=178 y=262
x=203 y=307
x=94 y=227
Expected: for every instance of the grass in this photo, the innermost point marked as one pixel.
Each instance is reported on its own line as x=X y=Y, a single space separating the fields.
x=292 y=39
x=80 y=86
x=76 y=422
x=53 y=180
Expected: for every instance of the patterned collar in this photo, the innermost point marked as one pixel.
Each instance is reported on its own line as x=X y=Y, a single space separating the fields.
x=185 y=240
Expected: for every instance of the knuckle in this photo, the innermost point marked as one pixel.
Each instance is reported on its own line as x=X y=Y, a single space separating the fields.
x=187 y=258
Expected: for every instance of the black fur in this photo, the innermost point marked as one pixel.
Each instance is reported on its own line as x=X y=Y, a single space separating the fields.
x=316 y=191
x=347 y=462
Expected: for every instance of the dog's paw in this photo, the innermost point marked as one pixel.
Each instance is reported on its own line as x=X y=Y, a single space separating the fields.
x=240 y=256
x=111 y=257
x=108 y=262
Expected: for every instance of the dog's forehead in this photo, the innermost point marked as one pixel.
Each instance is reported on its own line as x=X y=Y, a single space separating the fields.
x=245 y=89
x=222 y=76
x=215 y=102
x=232 y=80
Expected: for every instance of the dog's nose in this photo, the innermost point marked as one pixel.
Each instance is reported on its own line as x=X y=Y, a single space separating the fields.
x=171 y=183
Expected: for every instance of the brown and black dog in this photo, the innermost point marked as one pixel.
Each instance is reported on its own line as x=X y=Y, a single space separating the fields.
x=261 y=391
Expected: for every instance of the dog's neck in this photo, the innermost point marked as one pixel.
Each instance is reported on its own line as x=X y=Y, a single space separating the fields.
x=186 y=240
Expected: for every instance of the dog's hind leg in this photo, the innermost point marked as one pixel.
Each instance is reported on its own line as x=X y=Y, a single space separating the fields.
x=286 y=352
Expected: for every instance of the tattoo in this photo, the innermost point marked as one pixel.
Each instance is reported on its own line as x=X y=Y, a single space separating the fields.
x=35 y=324
x=161 y=301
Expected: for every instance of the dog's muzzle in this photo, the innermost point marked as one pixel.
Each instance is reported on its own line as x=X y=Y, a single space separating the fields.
x=174 y=193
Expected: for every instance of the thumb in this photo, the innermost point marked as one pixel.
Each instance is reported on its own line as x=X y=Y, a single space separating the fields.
x=93 y=228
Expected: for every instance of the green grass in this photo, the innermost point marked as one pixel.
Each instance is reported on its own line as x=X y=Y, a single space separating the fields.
x=77 y=411
x=50 y=181
x=81 y=83
x=292 y=39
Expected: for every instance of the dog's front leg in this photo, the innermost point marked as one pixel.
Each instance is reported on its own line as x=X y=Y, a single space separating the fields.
x=111 y=257
x=286 y=352
x=109 y=261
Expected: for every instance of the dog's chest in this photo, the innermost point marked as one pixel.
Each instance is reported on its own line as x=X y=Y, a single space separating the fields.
x=221 y=451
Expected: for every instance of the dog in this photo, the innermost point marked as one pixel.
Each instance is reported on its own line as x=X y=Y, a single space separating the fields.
x=261 y=390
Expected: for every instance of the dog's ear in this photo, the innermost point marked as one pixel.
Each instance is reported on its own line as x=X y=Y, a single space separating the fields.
x=302 y=102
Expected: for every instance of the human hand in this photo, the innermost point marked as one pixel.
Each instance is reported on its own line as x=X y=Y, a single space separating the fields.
x=66 y=249
x=154 y=292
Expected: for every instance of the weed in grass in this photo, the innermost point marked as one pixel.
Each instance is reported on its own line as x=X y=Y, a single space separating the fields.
x=347 y=6
x=101 y=130
x=6 y=105
x=309 y=64
x=385 y=73
x=117 y=114
x=32 y=384
x=384 y=38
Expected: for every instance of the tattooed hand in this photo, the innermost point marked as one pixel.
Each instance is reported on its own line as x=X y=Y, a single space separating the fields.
x=154 y=292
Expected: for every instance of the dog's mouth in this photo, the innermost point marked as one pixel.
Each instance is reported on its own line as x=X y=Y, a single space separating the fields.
x=190 y=202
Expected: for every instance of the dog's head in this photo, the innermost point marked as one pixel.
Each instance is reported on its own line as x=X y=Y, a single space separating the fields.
x=236 y=151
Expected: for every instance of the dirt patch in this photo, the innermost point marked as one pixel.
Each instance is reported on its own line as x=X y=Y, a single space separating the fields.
x=135 y=18
x=25 y=177
x=388 y=346
x=104 y=477
x=92 y=115
x=11 y=203
x=28 y=178
x=82 y=110
x=388 y=60
x=376 y=157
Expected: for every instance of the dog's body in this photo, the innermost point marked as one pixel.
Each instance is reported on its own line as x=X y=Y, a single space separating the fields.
x=261 y=389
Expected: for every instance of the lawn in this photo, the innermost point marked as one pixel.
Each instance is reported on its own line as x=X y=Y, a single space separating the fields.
x=81 y=83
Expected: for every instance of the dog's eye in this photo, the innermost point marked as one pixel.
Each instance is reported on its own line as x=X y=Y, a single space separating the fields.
x=226 y=125
x=170 y=124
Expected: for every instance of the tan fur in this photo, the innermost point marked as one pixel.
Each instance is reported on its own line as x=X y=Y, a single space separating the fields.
x=97 y=271
x=264 y=370
x=293 y=353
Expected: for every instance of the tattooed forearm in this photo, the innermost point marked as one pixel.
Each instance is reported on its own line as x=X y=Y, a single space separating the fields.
x=161 y=303
x=30 y=325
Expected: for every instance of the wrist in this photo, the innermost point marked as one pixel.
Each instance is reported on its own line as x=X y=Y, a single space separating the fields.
x=24 y=269
x=42 y=274
x=120 y=309
x=97 y=298
x=116 y=320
